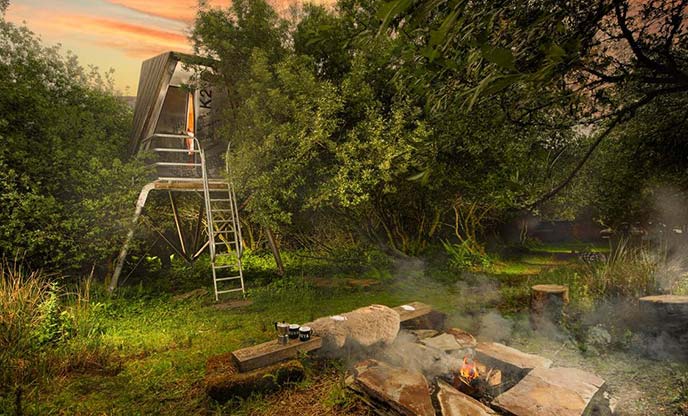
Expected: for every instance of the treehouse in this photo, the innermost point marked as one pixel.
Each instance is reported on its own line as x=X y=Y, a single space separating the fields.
x=173 y=127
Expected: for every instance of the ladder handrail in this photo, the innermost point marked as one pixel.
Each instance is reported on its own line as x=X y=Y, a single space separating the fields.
x=199 y=160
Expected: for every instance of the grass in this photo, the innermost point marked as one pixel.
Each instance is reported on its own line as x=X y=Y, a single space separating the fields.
x=156 y=348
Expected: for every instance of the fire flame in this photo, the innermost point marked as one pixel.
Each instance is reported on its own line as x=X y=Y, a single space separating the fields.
x=468 y=371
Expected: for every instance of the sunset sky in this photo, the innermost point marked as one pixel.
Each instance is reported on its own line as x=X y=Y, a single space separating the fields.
x=115 y=34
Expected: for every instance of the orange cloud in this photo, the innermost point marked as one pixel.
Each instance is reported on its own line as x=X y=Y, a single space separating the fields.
x=181 y=10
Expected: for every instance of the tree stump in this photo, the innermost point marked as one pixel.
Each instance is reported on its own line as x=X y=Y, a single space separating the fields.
x=667 y=313
x=547 y=303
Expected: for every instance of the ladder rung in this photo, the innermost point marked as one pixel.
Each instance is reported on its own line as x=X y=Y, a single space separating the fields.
x=227 y=278
x=170 y=136
x=176 y=164
x=224 y=231
x=220 y=210
x=224 y=266
x=230 y=290
x=179 y=179
x=172 y=150
x=220 y=200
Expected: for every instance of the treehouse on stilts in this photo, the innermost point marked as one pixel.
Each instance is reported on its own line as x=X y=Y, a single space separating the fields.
x=173 y=121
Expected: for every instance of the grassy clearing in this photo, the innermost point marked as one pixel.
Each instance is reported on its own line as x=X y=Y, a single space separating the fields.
x=150 y=350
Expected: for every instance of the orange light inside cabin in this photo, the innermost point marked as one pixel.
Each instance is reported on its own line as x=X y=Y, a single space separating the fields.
x=190 y=123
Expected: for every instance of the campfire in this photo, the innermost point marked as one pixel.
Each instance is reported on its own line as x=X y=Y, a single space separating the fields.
x=476 y=379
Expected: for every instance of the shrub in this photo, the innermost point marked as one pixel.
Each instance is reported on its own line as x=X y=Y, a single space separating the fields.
x=40 y=336
x=629 y=271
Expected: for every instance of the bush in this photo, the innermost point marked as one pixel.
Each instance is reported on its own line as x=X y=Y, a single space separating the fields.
x=40 y=336
x=464 y=257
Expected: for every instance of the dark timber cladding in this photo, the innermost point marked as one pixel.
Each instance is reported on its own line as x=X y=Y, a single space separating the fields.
x=155 y=77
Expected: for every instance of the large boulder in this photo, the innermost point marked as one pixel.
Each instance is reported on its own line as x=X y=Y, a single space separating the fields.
x=368 y=326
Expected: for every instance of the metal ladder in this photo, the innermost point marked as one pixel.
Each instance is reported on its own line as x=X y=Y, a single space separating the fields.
x=222 y=214
x=224 y=233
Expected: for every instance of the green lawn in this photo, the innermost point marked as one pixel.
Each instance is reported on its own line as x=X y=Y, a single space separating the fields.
x=162 y=345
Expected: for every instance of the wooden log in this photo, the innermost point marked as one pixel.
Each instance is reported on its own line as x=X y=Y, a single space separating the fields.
x=223 y=381
x=665 y=313
x=547 y=303
x=272 y=352
x=417 y=315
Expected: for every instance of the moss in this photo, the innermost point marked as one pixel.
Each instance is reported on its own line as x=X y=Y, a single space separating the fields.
x=223 y=381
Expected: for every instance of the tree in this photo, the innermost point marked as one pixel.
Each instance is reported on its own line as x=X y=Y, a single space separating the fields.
x=65 y=193
x=581 y=63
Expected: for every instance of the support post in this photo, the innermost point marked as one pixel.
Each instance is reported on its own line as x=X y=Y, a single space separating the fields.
x=275 y=251
x=140 y=202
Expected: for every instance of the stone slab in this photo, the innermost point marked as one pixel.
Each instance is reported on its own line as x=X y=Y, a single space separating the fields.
x=454 y=403
x=463 y=338
x=552 y=391
x=512 y=362
x=405 y=391
x=223 y=381
x=445 y=342
x=272 y=352
x=423 y=333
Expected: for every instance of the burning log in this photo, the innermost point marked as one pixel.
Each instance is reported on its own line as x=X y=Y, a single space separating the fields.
x=548 y=302
x=476 y=379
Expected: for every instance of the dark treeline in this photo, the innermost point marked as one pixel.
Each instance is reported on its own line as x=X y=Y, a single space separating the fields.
x=397 y=124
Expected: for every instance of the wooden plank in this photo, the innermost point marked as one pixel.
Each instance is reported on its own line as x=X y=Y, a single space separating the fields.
x=272 y=352
x=412 y=310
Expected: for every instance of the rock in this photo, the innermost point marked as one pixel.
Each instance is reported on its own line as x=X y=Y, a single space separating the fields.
x=514 y=364
x=598 y=337
x=555 y=391
x=374 y=324
x=404 y=391
x=454 y=403
x=197 y=293
x=421 y=334
x=404 y=352
x=223 y=380
x=445 y=342
x=462 y=337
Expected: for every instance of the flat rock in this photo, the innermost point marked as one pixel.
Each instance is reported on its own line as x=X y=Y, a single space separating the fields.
x=462 y=337
x=405 y=391
x=454 y=403
x=554 y=391
x=512 y=362
x=423 y=333
x=445 y=342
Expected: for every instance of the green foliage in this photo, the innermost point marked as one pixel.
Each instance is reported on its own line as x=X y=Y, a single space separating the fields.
x=464 y=257
x=64 y=190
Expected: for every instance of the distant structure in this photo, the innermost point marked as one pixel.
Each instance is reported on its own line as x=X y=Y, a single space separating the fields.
x=174 y=123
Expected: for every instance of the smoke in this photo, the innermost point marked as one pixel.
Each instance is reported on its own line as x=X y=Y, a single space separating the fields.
x=668 y=231
x=493 y=326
